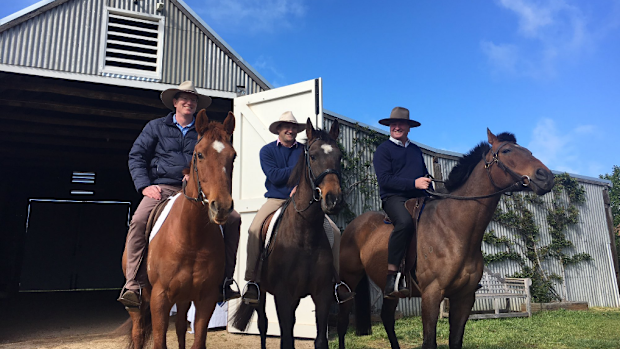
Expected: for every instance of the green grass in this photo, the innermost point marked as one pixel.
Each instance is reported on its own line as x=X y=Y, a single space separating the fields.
x=597 y=328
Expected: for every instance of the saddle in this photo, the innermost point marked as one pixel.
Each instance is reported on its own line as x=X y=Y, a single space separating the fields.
x=153 y=216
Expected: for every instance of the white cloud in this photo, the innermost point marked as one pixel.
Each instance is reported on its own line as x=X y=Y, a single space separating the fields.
x=253 y=16
x=562 y=150
x=549 y=32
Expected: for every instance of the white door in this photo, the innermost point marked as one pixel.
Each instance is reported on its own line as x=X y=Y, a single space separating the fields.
x=254 y=113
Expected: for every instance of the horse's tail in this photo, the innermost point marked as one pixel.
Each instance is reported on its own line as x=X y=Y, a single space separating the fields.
x=241 y=318
x=146 y=326
x=362 y=308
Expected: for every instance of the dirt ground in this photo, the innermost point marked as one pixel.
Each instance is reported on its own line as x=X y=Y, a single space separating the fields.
x=72 y=320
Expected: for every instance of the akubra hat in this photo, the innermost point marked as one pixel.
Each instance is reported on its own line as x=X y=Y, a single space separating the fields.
x=399 y=114
x=188 y=87
x=286 y=117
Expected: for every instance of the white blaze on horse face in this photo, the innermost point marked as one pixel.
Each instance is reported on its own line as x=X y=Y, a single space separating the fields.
x=224 y=169
x=327 y=148
x=218 y=146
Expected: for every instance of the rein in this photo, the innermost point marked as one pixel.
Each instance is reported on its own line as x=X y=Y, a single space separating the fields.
x=315 y=180
x=522 y=181
x=202 y=198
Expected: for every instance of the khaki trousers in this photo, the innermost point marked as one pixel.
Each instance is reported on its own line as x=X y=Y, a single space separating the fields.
x=136 y=242
x=254 y=239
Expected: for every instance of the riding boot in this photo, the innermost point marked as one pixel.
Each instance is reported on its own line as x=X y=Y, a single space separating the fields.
x=402 y=288
x=390 y=290
x=227 y=292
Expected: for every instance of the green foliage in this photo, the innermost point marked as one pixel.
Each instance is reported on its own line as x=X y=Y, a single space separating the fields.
x=561 y=213
x=614 y=198
x=358 y=181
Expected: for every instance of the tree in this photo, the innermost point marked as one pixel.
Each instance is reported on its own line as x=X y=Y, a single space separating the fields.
x=614 y=193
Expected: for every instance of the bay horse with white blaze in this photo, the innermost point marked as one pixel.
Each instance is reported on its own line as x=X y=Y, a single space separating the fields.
x=301 y=262
x=450 y=230
x=185 y=259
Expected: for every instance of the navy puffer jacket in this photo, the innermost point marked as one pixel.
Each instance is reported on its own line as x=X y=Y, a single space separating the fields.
x=160 y=153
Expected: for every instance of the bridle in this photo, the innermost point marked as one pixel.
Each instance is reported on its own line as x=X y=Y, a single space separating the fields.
x=521 y=181
x=315 y=180
x=202 y=198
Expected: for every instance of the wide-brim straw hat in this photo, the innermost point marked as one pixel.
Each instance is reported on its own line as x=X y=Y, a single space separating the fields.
x=399 y=114
x=188 y=87
x=286 y=117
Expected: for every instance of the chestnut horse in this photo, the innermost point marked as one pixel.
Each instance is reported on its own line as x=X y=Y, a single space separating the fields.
x=185 y=259
x=449 y=239
x=301 y=261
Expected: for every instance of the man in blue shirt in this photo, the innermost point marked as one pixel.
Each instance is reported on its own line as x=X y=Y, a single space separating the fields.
x=277 y=160
x=401 y=172
x=157 y=159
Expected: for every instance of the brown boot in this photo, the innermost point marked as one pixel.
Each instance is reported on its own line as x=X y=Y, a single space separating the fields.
x=251 y=294
x=343 y=293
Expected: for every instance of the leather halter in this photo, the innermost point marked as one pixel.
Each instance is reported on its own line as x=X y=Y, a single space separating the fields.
x=316 y=180
x=525 y=180
x=201 y=195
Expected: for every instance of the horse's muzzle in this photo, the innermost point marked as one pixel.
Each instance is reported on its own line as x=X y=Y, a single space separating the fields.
x=219 y=214
x=332 y=203
x=542 y=182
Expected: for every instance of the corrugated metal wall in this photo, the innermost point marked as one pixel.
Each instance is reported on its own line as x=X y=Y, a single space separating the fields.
x=67 y=38
x=592 y=281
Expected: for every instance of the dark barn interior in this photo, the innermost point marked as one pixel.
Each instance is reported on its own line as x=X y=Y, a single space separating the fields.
x=65 y=190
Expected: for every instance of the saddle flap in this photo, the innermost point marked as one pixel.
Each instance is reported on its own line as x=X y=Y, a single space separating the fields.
x=414 y=207
x=153 y=216
x=265 y=226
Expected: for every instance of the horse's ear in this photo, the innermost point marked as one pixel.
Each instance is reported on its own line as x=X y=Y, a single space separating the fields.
x=309 y=129
x=492 y=137
x=202 y=122
x=229 y=123
x=335 y=130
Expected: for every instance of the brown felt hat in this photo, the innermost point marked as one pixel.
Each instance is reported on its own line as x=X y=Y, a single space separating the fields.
x=286 y=117
x=399 y=114
x=188 y=87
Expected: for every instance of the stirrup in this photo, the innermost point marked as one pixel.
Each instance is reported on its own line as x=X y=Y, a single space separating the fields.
x=131 y=307
x=245 y=289
x=341 y=283
x=227 y=280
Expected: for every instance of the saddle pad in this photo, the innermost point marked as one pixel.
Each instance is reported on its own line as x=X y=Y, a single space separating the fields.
x=164 y=213
x=274 y=219
x=162 y=216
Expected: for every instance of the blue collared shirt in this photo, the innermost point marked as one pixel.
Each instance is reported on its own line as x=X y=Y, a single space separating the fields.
x=183 y=129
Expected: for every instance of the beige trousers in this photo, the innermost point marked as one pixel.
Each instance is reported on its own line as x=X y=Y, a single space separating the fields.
x=254 y=239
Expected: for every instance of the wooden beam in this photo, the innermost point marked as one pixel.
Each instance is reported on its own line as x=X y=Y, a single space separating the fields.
x=73 y=121
x=68 y=132
x=74 y=109
x=62 y=89
x=20 y=139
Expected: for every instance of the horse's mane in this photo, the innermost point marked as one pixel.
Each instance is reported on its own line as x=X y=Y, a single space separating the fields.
x=466 y=164
x=298 y=170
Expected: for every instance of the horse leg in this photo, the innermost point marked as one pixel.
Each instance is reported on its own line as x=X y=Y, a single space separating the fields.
x=138 y=330
x=388 y=310
x=181 y=322
x=285 y=307
x=160 y=312
x=204 y=310
x=430 y=313
x=322 y=303
x=262 y=320
x=460 y=309
x=343 y=321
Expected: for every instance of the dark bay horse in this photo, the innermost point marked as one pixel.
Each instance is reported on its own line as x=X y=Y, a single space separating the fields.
x=301 y=261
x=185 y=260
x=449 y=239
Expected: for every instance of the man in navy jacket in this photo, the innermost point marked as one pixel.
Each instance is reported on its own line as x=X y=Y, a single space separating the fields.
x=157 y=159
x=401 y=172
x=277 y=159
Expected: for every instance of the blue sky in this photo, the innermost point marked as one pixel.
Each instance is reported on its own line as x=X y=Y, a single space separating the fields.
x=546 y=70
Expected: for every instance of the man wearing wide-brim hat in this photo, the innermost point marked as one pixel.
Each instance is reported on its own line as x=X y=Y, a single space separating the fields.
x=157 y=159
x=277 y=160
x=401 y=174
